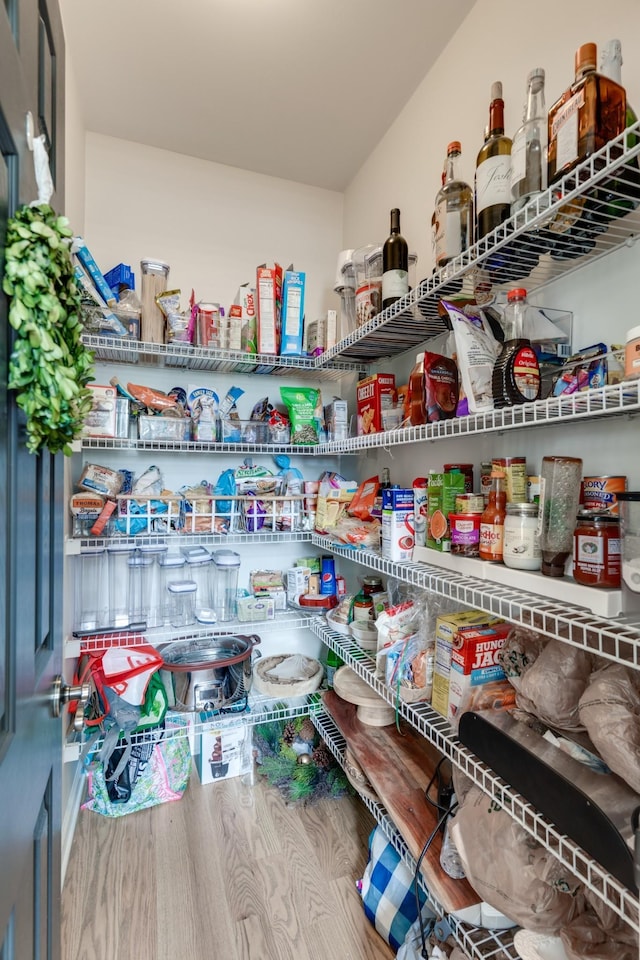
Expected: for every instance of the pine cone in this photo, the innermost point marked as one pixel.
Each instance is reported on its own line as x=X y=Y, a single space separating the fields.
x=321 y=756
x=307 y=731
x=289 y=733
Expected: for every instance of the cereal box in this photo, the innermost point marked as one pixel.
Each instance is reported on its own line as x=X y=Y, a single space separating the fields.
x=447 y=626
x=269 y=297
x=376 y=396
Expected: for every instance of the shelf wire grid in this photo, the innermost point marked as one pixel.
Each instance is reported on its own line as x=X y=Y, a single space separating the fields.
x=584 y=216
x=477 y=942
x=77 y=545
x=436 y=729
x=123 y=350
x=617 y=639
x=197 y=446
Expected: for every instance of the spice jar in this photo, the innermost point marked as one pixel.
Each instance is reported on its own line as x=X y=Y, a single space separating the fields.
x=521 y=541
x=596 y=549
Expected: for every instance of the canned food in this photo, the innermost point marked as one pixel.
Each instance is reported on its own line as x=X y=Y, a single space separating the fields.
x=469 y=503
x=599 y=493
x=515 y=472
x=465 y=533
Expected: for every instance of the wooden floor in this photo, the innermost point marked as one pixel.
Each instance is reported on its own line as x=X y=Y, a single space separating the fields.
x=227 y=873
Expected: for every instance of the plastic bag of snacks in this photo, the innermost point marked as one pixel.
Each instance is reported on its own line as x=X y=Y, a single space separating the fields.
x=302 y=403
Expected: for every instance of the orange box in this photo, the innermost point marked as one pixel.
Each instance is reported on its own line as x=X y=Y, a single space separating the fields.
x=375 y=396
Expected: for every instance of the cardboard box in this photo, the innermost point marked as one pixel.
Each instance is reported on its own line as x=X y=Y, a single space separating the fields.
x=101 y=419
x=243 y=310
x=255 y=609
x=269 y=303
x=397 y=524
x=293 y=288
x=331 y=329
x=336 y=418
x=442 y=491
x=447 y=625
x=477 y=680
x=315 y=338
x=224 y=752
x=375 y=396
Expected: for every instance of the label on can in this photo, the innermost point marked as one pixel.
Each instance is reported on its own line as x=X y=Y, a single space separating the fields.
x=515 y=472
x=599 y=493
x=469 y=503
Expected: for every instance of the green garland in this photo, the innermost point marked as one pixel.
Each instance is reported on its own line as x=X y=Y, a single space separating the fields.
x=49 y=367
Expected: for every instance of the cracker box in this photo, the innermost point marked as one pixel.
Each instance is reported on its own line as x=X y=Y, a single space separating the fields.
x=375 y=396
x=269 y=301
x=101 y=419
x=447 y=625
x=225 y=751
x=477 y=680
x=293 y=288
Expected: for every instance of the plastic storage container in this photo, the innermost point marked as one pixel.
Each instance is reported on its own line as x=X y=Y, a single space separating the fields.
x=199 y=569
x=629 y=507
x=227 y=565
x=171 y=568
x=155 y=274
x=140 y=568
x=183 y=602
x=90 y=591
x=156 y=552
x=119 y=555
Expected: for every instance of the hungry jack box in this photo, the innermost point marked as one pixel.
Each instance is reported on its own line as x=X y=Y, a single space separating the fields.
x=269 y=299
x=375 y=395
x=448 y=626
x=477 y=680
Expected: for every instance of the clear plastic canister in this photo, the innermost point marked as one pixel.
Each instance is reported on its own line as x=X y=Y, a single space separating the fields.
x=91 y=593
x=227 y=565
x=140 y=573
x=182 y=594
x=157 y=552
x=171 y=568
x=200 y=569
x=155 y=274
x=118 y=558
x=629 y=510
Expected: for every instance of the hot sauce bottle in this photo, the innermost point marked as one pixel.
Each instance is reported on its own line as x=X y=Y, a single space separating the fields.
x=492 y=520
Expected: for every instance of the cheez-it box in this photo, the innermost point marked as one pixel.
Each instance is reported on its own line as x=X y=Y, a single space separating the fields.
x=375 y=395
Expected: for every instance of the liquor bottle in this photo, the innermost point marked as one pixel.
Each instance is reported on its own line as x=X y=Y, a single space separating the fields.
x=529 y=148
x=492 y=520
x=586 y=117
x=395 y=264
x=516 y=374
x=623 y=194
x=385 y=480
x=334 y=662
x=453 y=211
x=493 y=171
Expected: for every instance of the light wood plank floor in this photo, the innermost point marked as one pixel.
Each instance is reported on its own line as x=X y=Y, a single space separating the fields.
x=227 y=873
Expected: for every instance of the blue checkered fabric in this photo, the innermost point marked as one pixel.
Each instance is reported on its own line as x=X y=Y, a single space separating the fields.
x=387 y=891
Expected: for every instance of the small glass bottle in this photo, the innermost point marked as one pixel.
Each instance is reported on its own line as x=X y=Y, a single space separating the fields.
x=334 y=662
x=590 y=113
x=521 y=543
x=453 y=215
x=492 y=520
x=529 y=148
x=596 y=549
x=516 y=373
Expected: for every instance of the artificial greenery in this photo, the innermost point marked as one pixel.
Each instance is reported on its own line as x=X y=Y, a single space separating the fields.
x=49 y=367
x=278 y=761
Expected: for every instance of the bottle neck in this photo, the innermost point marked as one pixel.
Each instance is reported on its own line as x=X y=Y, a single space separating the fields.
x=395 y=222
x=611 y=63
x=514 y=320
x=584 y=71
x=496 y=118
x=535 y=102
x=451 y=167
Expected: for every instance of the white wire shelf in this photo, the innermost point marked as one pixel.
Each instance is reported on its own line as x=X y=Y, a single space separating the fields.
x=586 y=215
x=615 y=639
x=195 y=446
x=436 y=729
x=478 y=943
x=611 y=401
x=76 y=545
x=95 y=643
x=118 y=350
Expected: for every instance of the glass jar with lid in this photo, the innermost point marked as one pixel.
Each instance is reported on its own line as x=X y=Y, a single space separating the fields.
x=596 y=549
x=521 y=543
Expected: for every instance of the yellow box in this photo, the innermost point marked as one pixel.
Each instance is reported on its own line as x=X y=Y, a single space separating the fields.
x=447 y=626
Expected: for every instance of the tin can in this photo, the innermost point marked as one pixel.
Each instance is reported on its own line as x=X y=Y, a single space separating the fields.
x=208 y=324
x=466 y=469
x=599 y=493
x=465 y=534
x=485 y=480
x=469 y=503
x=515 y=472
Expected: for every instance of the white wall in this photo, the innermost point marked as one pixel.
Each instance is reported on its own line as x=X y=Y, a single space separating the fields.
x=213 y=224
x=502 y=40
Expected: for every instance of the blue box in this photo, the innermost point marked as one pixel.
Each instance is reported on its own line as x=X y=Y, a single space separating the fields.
x=121 y=276
x=397 y=498
x=293 y=287
x=80 y=249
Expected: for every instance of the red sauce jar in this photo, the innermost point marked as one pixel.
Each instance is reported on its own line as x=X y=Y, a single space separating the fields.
x=596 y=549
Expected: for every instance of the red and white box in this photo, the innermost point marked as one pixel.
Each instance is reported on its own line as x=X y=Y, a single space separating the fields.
x=269 y=300
x=477 y=680
x=376 y=397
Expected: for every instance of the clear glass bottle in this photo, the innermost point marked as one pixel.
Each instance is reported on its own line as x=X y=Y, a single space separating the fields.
x=620 y=196
x=590 y=113
x=516 y=373
x=529 y=148
x=453 y=215
x=493 y=171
